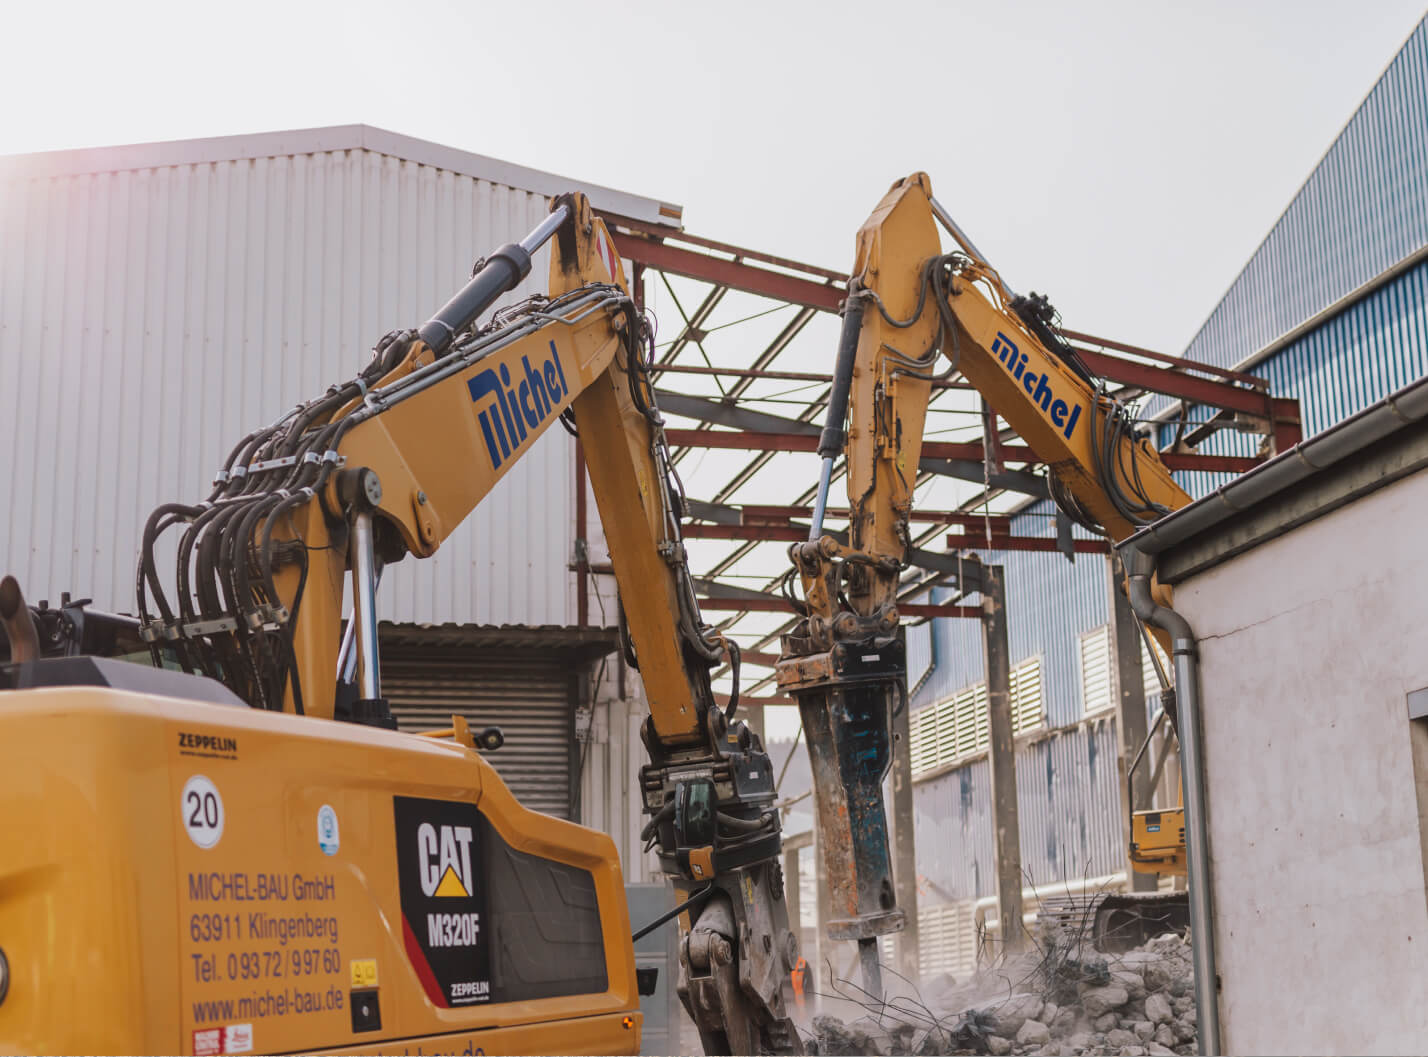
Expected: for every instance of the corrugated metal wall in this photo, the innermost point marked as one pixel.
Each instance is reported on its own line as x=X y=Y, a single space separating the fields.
x=1068 y=806
x=150 y=317
x=1046 y=596
x=1362 y=210
x=1377 y=345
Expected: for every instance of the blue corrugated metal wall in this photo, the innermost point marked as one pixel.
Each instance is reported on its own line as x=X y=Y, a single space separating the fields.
x=1068 y=806
x=1375 y=346
x=1362 y=211
x=1046 y=594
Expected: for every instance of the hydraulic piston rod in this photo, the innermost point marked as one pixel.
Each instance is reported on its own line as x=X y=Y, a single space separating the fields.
x=502 y=271
x=830 y=441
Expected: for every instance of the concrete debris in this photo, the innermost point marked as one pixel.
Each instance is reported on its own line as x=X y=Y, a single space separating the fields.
x=1157 y=1009
x=1063 y=999
x=1033 y=1033
x=1102 y=1000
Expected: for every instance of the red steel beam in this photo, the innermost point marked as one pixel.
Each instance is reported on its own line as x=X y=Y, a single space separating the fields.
x=970 y=542
x=1209 y=463
x=747 y=533
x=1175 y=383
x=1287 y=424
x=663 y=232
x=1174 y=361
x=734 y=274
x=738 y=275
x=778 y=605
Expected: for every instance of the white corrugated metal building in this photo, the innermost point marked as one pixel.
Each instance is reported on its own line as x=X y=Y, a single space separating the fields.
x=159 y=301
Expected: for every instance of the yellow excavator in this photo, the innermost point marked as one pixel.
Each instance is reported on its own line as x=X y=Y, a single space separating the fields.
x=909 y=305
x=234 y=850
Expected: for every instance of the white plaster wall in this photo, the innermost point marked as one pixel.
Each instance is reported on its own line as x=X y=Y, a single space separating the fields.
x=1309 y=645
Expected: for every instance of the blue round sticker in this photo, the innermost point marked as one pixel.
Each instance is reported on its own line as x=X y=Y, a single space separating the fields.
x=328 y=839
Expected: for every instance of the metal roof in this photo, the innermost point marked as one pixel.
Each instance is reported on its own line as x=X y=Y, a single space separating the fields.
x=1359 y=214
x=217 y=149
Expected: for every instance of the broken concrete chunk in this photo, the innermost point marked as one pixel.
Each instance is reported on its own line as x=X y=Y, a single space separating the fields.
x=1033 y=1033
x=1101 y=1000
x=1120 y=1038
x=1184 y=1029
x=1157 y=1009
x=1010 y=1015
x=1133 y=982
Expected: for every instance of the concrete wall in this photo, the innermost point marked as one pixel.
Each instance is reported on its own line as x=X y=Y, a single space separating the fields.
x=1310 y=644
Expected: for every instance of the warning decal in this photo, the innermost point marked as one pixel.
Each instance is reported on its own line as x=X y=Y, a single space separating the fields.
x=443 y=904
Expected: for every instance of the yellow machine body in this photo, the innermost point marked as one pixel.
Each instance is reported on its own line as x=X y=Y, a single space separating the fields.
x=1158 y=841
x=303 y=925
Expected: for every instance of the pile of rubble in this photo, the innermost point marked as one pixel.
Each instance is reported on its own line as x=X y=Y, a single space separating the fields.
x=1060 y=999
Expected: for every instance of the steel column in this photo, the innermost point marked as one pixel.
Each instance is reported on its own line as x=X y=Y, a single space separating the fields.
x=904 y=843
x=1002 y=757
x=1128 y=693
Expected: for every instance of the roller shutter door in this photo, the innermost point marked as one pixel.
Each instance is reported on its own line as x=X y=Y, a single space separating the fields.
x=528 y=694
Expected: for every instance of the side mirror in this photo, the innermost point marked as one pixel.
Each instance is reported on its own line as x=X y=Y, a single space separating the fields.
x=490 y=739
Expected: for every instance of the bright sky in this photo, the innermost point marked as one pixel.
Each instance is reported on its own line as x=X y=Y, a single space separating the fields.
x=1125 y=156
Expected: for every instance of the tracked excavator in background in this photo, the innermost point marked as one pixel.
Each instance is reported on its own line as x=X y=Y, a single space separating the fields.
x=243 y=854
x=909 y=305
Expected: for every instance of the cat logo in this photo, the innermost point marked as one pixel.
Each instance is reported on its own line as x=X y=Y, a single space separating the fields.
x=444 y=859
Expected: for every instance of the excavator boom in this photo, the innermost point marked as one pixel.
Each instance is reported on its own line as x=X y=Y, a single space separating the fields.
x=910 y=307
x=431 y=908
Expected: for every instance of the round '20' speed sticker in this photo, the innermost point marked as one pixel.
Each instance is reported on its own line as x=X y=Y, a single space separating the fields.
x=202 y=811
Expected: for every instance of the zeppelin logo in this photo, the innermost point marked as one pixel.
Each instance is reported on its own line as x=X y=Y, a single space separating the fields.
x=511 y=412
x=193 y=744
x=1038 y=387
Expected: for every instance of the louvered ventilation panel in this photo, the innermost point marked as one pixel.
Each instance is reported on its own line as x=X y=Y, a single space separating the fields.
x=1096 y=670
x=947 y=939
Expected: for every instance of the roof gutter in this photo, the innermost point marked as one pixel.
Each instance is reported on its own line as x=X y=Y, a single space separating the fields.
x=1405 y=407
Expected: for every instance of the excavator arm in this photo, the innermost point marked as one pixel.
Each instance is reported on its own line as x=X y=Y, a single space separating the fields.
x=911 y=306
x=387 y=466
